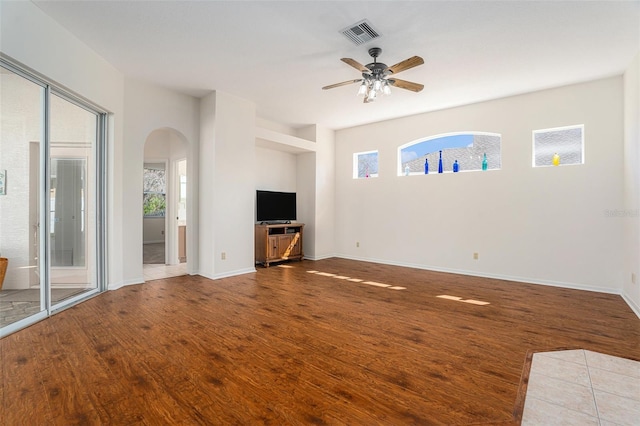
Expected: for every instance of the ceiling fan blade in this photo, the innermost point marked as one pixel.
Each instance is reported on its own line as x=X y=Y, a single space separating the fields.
x=413 y=61
x=344 y=83
x=404 y=84
x=357 y=65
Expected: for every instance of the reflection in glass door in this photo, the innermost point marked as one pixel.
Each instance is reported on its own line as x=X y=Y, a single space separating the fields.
x=21 y=107
x=72 y=225
x=51 y=199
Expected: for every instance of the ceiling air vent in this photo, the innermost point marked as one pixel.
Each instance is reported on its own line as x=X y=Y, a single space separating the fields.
x=360 y=32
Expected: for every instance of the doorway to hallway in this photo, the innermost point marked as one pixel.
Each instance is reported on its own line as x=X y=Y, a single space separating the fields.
x=165 y=205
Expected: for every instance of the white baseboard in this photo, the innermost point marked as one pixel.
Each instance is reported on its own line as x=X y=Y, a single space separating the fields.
x=115 y=286
x=321 y=257
x=494 y=276
x=633 y=305
x=228 y=274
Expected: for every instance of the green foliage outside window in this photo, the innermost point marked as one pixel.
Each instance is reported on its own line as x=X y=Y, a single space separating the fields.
x=154 y=202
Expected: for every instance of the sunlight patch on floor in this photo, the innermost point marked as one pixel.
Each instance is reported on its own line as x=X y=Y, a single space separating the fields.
x=373 y=283
x=475 y=302
x=459 y=299
x=357 y=280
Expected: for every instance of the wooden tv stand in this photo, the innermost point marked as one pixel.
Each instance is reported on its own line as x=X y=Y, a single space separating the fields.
x=278 y=242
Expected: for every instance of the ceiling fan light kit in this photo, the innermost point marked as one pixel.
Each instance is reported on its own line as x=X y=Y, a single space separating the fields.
x=375 y=75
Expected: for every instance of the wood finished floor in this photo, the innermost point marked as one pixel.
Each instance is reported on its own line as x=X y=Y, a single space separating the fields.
x=285 y=346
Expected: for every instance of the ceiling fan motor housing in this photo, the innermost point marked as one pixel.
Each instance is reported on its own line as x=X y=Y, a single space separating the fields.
x=377 y=68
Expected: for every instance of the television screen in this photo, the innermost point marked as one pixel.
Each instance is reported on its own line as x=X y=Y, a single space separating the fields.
x=275 y=206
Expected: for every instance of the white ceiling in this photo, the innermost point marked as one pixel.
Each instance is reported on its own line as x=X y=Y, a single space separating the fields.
x=279 y=54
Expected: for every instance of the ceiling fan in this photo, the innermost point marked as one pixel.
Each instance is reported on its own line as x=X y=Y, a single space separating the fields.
x=378 y=77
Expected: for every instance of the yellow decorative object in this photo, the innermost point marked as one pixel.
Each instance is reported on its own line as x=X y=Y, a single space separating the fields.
x=556 y=159
x=3 y=269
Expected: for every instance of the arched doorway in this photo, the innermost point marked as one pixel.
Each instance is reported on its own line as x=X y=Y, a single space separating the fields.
x=165 y=204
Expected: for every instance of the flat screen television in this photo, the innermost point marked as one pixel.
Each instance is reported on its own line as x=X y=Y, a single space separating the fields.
x=273 y=206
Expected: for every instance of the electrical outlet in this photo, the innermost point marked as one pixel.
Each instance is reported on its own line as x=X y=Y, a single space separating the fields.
x=357 y=243
x=475 y=256
x=223 y=256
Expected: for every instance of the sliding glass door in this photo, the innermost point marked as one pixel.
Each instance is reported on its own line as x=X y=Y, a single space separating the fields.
x=22 y=293
x=51 y=199
x=72 y=199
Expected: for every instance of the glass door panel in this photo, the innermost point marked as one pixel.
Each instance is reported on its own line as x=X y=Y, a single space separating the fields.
x=72 y=199
x=22 y=283
x=52 y=180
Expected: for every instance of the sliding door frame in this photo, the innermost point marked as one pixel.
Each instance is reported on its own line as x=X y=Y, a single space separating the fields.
x=44 y=187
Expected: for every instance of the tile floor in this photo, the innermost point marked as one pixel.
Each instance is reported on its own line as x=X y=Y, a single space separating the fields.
x=579 y=387
x=19 y=304
x=159 y=271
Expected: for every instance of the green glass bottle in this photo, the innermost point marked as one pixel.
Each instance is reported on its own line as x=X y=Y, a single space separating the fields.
x=485 y=163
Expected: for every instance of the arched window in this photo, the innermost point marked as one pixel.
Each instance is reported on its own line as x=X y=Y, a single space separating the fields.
x=467 y=149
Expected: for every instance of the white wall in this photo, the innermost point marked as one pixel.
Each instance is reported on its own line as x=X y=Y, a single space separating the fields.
x=227 y=182
x=207 y=158
x=631 y=211
x=149 y=108
x=153 y=229
x=316 y=194
x=311 y=174
x=306 y=201
x=325 y=193
x=30 y=37
x=545 y=225
x=275 y=126
x=275 y=170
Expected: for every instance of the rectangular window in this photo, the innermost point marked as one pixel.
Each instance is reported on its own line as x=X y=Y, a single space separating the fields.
x=558 y=146
x=365 y=164
x=154 y=193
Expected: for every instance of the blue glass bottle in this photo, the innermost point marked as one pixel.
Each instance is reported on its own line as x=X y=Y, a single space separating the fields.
x=485 y=163
x=426 y=166
x=440 y=170
x=456 y=166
